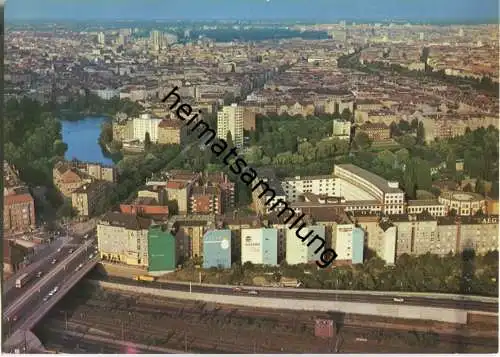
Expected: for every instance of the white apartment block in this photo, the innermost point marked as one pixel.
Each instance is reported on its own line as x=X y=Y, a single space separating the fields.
x=145 y=124
x=297 y=252
x=318 y=185
x=342 y=236
x=341 y=129
x=230 y=118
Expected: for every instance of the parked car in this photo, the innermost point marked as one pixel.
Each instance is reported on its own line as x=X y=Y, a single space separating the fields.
x=39 y=274
x=53 y=261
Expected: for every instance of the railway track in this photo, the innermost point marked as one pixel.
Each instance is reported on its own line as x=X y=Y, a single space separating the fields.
x=272 y=331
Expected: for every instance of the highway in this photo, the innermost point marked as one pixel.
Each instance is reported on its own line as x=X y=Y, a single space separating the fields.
x=296 y=294
x=22 y=309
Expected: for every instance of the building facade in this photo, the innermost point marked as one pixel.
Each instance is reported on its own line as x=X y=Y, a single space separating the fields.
x=161 y=249
x=123 y=238
x=259 y=246
x=217 y=249
x=230 y=119
x=297 y=252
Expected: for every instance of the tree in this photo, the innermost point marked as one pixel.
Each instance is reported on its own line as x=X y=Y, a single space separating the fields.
x=394 y=129
x=414 y=124
x=147 y=141
x=106 y=132
x=229 y=139
x=346 y=114
x=362 y=140
x=480 y=187
x=468 y=188
x=60 y=147
x=420 y=133
x=404 y=126
x=451 y=162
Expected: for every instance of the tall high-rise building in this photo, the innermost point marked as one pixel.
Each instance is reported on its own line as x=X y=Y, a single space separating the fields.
x=101 y=38
x=230 y=119
x=156 y=39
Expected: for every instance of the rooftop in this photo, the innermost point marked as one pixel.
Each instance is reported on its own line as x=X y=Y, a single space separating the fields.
x=381 y=183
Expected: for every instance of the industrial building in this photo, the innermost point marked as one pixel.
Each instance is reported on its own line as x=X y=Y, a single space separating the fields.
x=217 y=249
x=259 y=246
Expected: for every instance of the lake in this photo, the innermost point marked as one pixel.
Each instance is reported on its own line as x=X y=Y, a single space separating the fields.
x=81 y=137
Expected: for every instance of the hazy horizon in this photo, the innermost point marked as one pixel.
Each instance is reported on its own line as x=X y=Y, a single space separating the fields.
x=312 y=10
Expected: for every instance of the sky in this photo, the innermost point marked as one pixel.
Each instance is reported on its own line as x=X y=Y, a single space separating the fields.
x=411 y=10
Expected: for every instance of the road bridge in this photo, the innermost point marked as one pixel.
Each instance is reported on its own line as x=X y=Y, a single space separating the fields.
x=21 y=315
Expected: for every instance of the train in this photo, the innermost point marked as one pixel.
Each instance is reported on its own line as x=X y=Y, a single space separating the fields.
x=144 y=278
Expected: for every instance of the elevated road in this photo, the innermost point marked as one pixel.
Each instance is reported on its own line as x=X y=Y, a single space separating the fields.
x=23 y=313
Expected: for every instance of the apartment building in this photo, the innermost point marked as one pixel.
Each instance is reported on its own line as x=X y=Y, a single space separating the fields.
x=341 y=129
x=457 y=234
x=226 y=187
x=96 y=171
x=380 y=235
x=297 y=252
x=264 y=197
x=318 y=185
x=146 y=124
x=259 y=246
x=376 y=131
x=145 y=206
x=123 y=130
x=417 y=234
x=189 y=232
x=171 y=132
x=205 y=200
x=230 y=119
x=348 y=241
x=67 y=178
x=18 y=204
x=85 y=199
x=217 y=249
x=123 y=238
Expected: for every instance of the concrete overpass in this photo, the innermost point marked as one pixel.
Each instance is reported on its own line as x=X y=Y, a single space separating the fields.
x=21 y=315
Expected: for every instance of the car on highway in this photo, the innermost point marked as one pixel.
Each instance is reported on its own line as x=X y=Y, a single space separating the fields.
x=361 y=339
x=55 y=289
x=237 y=290
x=398 y=300
x=253 y=292
x=39 y=274
x=79 y=267
x=53 y=261
x=46 y=298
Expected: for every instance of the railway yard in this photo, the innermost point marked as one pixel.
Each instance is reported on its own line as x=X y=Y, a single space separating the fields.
x=93 y=320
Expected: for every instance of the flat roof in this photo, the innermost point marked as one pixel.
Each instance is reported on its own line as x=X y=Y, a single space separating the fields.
x=376 y=180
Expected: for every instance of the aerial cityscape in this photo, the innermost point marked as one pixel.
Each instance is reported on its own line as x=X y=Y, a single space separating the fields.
x=250 y=176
